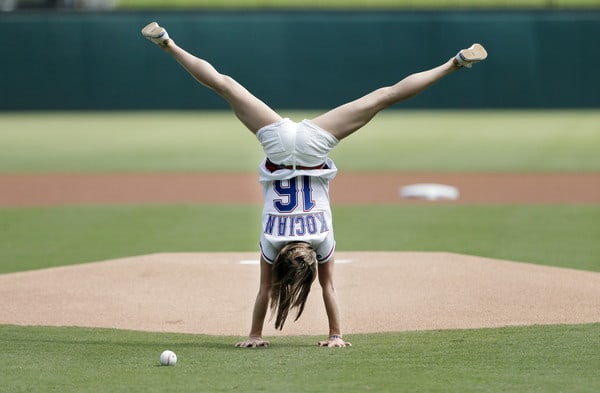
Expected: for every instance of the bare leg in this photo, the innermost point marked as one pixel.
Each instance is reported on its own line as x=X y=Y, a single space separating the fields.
x=260 y=308
x=348 y=118
x=251 y=111
x=331 y=306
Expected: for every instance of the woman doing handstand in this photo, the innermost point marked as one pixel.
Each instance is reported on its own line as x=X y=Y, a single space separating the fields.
x=297 y=242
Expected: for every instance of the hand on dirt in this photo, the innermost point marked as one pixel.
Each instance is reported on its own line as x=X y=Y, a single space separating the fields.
x=252 y=343
x=335 y=342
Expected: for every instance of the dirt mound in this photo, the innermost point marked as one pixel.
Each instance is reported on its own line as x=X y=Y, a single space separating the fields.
x=213 y=293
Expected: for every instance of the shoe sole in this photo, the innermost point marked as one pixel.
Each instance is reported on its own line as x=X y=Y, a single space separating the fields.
x=149 y=30
x=475 y=53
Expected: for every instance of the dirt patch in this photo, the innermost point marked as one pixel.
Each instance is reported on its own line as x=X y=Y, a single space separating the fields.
x=347 y=188
x=213 y=293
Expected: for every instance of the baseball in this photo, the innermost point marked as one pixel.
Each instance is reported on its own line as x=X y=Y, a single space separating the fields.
x=168 y=358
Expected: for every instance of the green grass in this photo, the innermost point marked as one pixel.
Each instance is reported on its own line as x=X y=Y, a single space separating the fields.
x=125 y=141
x=32 y=238
x=475 y=141
x=351 y=4
x=517 y=359
x=565 y=236
x=396 y=140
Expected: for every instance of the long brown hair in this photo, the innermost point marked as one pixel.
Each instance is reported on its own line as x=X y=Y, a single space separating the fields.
x=294 y=270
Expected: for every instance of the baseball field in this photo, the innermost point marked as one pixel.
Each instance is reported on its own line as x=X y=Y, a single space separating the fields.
x=123 y=234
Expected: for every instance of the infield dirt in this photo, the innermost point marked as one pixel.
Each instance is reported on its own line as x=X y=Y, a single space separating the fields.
x=346 y=188
x=213 y=293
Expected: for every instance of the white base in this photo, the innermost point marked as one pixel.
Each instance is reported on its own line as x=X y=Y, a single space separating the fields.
x=429 y=191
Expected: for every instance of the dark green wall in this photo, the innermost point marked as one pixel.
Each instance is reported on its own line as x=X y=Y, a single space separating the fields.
x=537 y=59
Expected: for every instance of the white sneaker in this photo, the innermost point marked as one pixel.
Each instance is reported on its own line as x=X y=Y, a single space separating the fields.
x=468 y=57
x=156 y=34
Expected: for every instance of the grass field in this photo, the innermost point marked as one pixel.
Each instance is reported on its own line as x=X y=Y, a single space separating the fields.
x=32 y=238
x=493 y=141
x=527 y=359
x=531 y=359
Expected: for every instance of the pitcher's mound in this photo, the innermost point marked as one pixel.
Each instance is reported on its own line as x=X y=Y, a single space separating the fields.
x=213 y=293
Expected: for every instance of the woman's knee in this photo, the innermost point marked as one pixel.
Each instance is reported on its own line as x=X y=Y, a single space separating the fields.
x=225 y=85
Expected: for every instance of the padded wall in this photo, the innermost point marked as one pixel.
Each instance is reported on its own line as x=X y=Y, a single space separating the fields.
x=308 y=60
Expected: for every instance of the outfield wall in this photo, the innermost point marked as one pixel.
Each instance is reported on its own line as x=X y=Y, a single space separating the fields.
x=538 y=59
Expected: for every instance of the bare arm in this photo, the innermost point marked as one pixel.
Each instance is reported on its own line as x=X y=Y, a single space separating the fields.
x=331 y=307
x=260 y=309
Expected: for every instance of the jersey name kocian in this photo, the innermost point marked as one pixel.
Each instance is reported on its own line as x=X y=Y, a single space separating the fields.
x=297 y=207
x=296 y=225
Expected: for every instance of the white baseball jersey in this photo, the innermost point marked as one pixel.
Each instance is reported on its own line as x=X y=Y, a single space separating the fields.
x=296 y=199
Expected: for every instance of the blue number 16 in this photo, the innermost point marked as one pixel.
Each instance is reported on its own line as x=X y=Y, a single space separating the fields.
x=289 y=189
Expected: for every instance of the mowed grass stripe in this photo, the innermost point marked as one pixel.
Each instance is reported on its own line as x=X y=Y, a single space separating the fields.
x=34 y=238
x=396 y=140
x=516 y=359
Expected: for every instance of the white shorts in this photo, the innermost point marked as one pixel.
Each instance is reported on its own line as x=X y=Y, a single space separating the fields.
x=296 y=144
